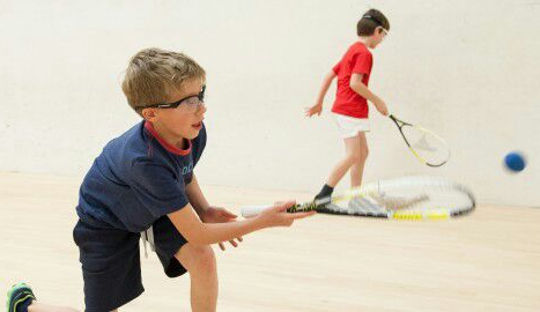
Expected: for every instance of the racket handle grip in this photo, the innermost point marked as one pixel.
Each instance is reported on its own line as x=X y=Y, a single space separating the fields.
x=252 y=211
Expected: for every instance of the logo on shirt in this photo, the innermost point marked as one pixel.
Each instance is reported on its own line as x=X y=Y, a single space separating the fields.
x=187 y=169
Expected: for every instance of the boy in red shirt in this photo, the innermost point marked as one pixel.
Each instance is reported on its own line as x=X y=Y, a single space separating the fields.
x=350 y=108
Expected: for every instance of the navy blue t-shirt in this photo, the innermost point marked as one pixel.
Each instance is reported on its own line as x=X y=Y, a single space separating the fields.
x=137 y=179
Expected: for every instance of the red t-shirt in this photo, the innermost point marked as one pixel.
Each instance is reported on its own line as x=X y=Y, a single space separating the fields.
x=357 y=60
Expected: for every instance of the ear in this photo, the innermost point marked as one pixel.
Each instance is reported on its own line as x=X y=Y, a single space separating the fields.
x=149 y=114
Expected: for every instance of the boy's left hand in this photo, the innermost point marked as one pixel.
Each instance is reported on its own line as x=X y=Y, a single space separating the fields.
x=220 y=215
x=313 y=110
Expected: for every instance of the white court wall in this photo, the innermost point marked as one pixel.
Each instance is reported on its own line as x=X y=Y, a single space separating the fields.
x=468 y=70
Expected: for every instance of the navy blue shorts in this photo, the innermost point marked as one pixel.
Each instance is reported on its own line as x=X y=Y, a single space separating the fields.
x=111 y=264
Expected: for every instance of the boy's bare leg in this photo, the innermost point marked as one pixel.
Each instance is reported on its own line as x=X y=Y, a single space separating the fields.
x=200 y=262
x=352 y=156
x=39 y=307
x=357 y=169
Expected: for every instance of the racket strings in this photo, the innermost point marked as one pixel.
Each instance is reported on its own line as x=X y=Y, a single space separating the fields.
x=416 y=200
x=399 y=203
x=424 y=143
x=407 y=199
x=429 y=147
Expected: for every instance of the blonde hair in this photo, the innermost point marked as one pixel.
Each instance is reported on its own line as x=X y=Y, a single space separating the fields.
x=154 y=74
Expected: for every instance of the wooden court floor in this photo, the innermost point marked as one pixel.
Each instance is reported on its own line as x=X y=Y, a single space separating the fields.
x=489 y=261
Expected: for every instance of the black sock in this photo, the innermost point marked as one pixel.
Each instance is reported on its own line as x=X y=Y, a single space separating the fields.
x=24 y=306
x=325 y=192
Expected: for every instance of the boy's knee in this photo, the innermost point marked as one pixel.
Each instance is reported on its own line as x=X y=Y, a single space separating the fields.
x=357 y=156
x=205 y=256
x=204 y=259
x=197 y=258
x=365 y=153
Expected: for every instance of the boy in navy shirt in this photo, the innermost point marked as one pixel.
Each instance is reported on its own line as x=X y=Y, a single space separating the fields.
x=144 y=181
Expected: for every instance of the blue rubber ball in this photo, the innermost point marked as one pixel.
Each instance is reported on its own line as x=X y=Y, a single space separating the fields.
x=514 y=161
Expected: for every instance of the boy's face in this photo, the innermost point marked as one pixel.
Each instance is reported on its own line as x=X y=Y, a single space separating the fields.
x=378 y=37
x=184 y=121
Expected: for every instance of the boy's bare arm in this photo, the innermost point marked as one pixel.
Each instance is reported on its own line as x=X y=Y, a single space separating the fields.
x=207 y=213
x=359 y=87
x=190 y=226
x=325 y=85
x=317 y=108
x=196 y=196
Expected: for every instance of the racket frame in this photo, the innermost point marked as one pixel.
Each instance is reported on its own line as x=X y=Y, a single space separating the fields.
x=400 y=124
x=405 y=215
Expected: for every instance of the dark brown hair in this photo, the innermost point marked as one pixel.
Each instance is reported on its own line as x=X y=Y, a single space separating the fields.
x=370 y=21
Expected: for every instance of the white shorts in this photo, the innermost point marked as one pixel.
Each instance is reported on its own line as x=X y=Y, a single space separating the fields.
x=350 y=126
